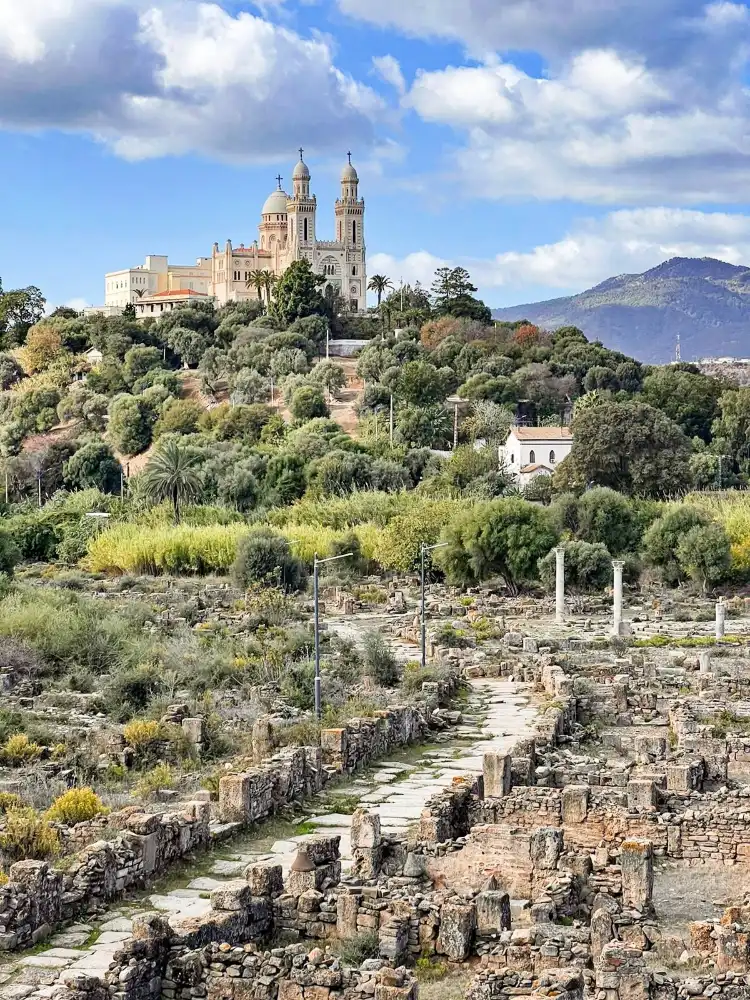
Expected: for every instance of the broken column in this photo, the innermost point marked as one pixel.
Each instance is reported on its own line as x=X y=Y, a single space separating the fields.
x=497 y=775
x=721 y=614
x=560 y=585
x=617 y=566
x=493 y=909
x=366 y=844
x=637 y=865
x=704 y=663
x=262 y=739
x=458 y=924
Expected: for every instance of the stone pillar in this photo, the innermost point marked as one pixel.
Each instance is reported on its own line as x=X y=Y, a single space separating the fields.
x=704 y=663
x=721 y=613
x=262 y=739
x=497 y=775
x=560 y=585
x=617 y=624
x=637 y=864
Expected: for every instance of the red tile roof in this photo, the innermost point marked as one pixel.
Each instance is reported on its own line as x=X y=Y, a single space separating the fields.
x=172 y=294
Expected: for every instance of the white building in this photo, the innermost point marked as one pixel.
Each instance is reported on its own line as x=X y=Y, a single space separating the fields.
x=288 y=231
x=161 y=302
x=535 y=451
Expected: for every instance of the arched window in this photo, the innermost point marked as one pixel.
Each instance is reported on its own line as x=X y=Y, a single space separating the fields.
x=552 y=458
x=532 y=457
x=354 y=271
x=305 y=236
x=354 y=231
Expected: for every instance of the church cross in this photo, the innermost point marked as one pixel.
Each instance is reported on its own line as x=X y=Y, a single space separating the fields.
x=350 y=157
x=301 y=151
x=279 y=180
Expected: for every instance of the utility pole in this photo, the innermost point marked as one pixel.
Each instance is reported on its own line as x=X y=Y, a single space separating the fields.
x=455 y=427
x=39 y=486
x=316 y=564
x=328 y=341
x=423 y=617
x=271 y=390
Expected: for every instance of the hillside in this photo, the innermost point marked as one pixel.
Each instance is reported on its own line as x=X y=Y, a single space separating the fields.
x=706 y=301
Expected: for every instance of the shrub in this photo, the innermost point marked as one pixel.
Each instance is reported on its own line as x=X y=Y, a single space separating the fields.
x=587 y=567
x=18 y=749
x=179 y=416
x=26 y=834
x=9 y=553
x=704 y=555
x=161 y=776
x=662 y=539
x=356 y=950
x=307 y=403
x=414 y=676
x=76 y=806
x=380 y=663
x=142 y=734
x=10 y=801
x=608 y=517
x=265 y=557
x=93 y=467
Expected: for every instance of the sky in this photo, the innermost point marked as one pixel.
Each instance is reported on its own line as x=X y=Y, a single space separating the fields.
x=543 y=144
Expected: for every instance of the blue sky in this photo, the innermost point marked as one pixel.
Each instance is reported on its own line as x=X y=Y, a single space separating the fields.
x=544 y=144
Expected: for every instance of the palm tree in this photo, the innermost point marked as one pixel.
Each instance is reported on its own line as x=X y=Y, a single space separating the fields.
x=140 y=292
x=380 y=283
x=171 y=475
x=269 y=280
x=256 y=279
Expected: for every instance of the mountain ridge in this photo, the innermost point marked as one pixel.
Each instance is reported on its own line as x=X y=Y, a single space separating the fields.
x=703 y=300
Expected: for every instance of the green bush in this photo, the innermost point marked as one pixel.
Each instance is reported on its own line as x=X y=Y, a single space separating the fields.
x=307 y=403
x=661 y=541
x=265 y=557
x=354 y=951
x=379 y=661
x=76 y=806
x=588 y=568
x=10 y=554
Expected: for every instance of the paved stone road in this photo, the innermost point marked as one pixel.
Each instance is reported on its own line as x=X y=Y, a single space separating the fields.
x=496 y=714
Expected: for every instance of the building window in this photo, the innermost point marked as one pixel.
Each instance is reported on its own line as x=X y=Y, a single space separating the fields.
x=354 y=271
x=305 y=224
x=354 y=231
x=532 y=457
x=512 y=459
x=552 y=458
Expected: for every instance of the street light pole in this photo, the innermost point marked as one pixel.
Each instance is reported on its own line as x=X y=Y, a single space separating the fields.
x=317 y=563
x=423 y=617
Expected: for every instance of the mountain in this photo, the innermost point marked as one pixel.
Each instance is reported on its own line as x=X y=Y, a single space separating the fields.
x=705 y=301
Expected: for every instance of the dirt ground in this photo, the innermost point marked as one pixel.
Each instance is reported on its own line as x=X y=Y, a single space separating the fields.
x=682 y=895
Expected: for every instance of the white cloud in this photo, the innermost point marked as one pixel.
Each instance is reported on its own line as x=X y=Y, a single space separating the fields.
x=177 y=76
x=628 y=241
x=606 y=128
x=556 y=28
x=389 y=69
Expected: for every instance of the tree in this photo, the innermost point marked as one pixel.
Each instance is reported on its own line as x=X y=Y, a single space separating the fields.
x=423 y=427
x=588 y=567
x=663 y=538
x=240 y=423
x=379 y=661
x=704 y=555
x=20 y=309
x=171 y=474
x=421 y=384
x=43 y=347
x=249 y=386
x=93 y=467
x=297 y=293
x=330 y=376
x=10 y=554
x=608 y=517
x=731 y=430
x=189 y=344
x=341 y=472
x=130 y=423
x=10 y=371
x=453 y=295
x=504 y=538
x=269 y=283
x=307 y=403
x=255 y=280
x=139 y=361
x=630 y=447
x=691 y=400
x=379 y=284
x=129 y=311
x=265 y=557
x=179 y=416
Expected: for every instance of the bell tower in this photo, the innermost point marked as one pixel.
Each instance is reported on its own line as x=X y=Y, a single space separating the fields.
x=301 y=212
x=350 y=233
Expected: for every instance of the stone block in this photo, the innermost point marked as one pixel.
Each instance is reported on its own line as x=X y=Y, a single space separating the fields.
x=458 y=924
x=235 y=895
x=334 y=744
x=497 y=775
x=265 y=879
x=684 y=777
x=323 y=850
x=732 y=949
x=637 y=865
x=575 y=804
x=641 y=795
x=146 y=848
x=347 y=908
x=545 y=847
x=493 y=912
x=649 y=749
x=235 y=798
x=194 y=729
x=321 y=877
x=366 y=830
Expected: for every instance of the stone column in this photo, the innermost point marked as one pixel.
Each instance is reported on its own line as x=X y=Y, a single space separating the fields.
x=617 y=624
x=721 y=613
x=560 y=585
x=704 y=663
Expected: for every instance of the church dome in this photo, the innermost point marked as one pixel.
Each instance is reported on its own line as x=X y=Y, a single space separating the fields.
x=349 y=175
x=301 y=172
x=275 y=203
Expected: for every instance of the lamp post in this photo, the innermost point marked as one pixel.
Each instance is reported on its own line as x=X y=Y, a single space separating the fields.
x=316 y=563
x=423 y=618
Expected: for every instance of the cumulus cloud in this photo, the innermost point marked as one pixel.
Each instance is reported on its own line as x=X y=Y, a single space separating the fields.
x=176 y=76
x=389 y=70
x=606 y=128
x=628 y=241
x=663 y=28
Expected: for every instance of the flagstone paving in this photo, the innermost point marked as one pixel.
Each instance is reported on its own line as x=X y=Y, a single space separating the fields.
x=496 y=714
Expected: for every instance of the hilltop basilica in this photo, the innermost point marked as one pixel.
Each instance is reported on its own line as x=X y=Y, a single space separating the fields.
x=288 y=231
